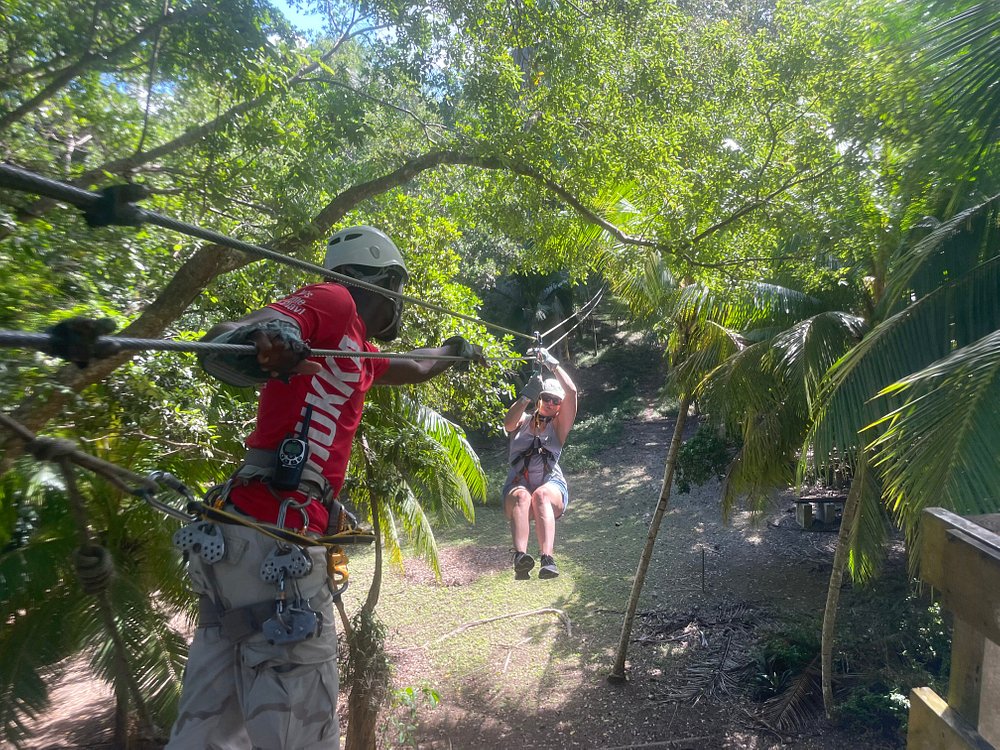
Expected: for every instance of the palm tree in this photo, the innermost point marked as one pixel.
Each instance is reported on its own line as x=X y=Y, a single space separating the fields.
x=410 y=465
x=707 y=335
x=940 y=303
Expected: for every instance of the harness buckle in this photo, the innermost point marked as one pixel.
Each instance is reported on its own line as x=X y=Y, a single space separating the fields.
x=294 y=625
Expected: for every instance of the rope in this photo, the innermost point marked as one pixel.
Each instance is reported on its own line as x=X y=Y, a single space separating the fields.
x=94 y=567
x=54 y=449
x=117 y=207
x=95 y=570
x=40 y=341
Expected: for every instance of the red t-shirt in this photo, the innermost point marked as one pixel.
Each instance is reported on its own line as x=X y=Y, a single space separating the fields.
x=328 y=319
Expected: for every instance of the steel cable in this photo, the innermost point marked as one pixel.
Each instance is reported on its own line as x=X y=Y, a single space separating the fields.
x=595 y=299
x=40 y=341
x=580 y=321
x=14 y=178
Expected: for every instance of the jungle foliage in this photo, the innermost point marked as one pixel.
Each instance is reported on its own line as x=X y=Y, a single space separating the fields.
x=798 y=198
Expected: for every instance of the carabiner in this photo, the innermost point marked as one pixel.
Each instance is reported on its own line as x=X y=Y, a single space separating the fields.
x=168 y=480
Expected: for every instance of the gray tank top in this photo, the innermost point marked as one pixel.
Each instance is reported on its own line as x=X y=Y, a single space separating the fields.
x=522 y=439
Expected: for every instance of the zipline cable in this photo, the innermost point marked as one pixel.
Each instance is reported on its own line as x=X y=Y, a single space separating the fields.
x=40 y=341
x=15 y=178
x=595 y=299
x=580 y=321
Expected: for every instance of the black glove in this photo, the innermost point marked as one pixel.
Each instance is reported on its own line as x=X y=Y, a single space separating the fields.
x=462 y=348
x=245 y=369
x=533 y=388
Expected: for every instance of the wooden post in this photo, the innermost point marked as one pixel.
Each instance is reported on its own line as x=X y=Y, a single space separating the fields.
x=960 y=557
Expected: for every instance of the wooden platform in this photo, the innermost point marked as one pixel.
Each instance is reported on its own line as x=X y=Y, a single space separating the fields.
x=960 y=558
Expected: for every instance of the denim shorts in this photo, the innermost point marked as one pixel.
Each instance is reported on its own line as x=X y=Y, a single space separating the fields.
x=515 y=479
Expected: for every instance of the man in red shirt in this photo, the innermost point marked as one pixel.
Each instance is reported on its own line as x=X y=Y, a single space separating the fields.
x=249 y=683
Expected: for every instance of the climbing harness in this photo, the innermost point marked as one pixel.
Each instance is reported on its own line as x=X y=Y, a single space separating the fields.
x=535 y=449
x=289 y=618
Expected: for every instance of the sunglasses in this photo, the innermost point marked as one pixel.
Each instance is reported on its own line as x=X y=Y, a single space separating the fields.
x=551 y=400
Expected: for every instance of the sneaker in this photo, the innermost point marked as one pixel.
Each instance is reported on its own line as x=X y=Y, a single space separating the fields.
x=548 y=569
x=523 y=563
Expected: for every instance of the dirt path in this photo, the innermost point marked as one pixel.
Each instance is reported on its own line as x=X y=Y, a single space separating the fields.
x=713 y=590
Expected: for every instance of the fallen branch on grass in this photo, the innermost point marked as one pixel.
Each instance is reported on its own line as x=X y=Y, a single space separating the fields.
x=544 y=610
x=661 y=743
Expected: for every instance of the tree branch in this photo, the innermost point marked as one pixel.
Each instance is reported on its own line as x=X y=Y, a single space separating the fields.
x=760 y=202
x=91 y=59
x=511 y=616
x=128 y=164
x=424 y=125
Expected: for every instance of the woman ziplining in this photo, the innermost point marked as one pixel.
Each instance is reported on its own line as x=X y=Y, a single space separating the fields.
x=535 y=487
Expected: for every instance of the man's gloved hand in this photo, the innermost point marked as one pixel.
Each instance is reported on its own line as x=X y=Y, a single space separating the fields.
x=543 y=356
x=462 y=348
x=533 y=388
x=280 y=350
x=281 y=353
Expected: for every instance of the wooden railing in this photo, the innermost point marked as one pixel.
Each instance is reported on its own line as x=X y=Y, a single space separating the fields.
x=960 y=558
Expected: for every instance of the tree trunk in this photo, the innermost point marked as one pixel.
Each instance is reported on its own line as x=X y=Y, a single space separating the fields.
x=618 y=671
x=369 y=671
x=847 y=522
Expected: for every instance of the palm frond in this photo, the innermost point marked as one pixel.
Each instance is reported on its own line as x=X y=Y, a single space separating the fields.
x=911 y=339
x=798 y=704
x=763 y=393
x=408 y=511
x=868 y=536
x=939 y=446
x=452 y=438
x=425 y=468
x=32 y=641
x=700 y=350
x=968 y=45
x=804 y=353
x=951 y=250
x=739 y=386
x=760 y=303
x=649 y=289
x=762 y=463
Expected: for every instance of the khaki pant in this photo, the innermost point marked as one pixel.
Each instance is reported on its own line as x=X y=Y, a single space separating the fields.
x=250 y=695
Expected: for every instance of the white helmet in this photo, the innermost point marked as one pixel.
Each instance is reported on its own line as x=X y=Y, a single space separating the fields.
x=364 y=247
x=552 y=387
x=367 y=254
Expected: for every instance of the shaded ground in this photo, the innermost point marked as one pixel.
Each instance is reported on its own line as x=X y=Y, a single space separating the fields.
x=522 y=664
x=713 y=590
